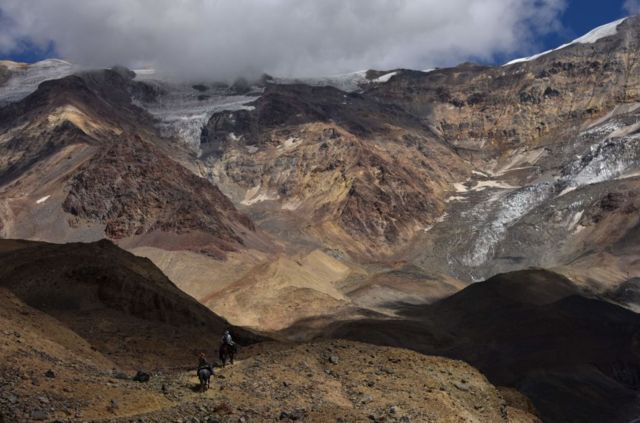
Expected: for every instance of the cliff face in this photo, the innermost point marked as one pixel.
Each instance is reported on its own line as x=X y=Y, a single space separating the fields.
x=547 y=139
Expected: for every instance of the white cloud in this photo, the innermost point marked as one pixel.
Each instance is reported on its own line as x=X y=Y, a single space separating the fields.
x=226 y=38
x=632 y=6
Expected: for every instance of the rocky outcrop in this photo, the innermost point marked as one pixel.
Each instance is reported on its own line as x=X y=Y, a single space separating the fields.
x=5 y=74
x=133 y=188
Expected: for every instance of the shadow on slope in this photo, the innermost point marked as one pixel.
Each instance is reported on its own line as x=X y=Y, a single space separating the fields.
x=575 y=357
x=119 y=303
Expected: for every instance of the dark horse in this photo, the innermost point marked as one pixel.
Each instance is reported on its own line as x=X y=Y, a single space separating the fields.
x=204 y=374
x=226 y=353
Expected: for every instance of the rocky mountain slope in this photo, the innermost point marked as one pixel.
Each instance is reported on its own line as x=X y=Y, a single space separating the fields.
x=80 y=161
x=412 y=184
x=79 y=320
x=366 y=176
x=552 y=140
x=575 y=356
x=456 y=173
x=479 y=169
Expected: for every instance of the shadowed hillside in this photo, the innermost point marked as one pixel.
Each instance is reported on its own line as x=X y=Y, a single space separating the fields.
x=576 y=357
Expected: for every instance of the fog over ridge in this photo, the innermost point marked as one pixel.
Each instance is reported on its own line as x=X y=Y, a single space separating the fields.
x=219 y=39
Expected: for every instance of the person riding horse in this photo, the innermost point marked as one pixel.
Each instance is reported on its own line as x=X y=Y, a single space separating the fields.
x=205 y=371
x=227 y=339
x=227 y=349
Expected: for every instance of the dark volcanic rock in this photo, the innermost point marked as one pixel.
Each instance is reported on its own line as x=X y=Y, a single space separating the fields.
x=288 y=105
x=133 y=188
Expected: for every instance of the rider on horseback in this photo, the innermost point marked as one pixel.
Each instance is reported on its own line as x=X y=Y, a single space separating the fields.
x=228 y=348
x=205 y=371
x=226 y=339
x=203 y=363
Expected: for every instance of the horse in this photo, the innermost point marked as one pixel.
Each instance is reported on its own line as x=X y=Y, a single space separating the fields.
x=204 y=374
x=226 y=353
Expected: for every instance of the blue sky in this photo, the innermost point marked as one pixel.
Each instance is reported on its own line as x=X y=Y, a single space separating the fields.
x=582 y=16
x=579 y=17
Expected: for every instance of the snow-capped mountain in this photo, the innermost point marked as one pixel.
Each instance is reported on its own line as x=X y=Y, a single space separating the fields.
x=292 y=205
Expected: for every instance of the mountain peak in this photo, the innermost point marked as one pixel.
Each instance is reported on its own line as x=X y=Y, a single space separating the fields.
x=591 y=37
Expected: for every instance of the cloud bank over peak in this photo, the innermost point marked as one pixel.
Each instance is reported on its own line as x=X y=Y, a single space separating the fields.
x=223 y=39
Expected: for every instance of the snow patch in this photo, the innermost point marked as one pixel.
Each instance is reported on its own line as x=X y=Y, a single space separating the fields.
x=385 y=78
x=254 y=196
x=481 y=185
x=589 y=38
x=576 y=218
x=435 y=222
x=602 y=130
x=455 y=198
x=348 y=82
x=291 y=205
x=43 y=199
x=460 y=187
x=289 y=143
x=567 y=190
x=493 y=184
x=144 y=73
